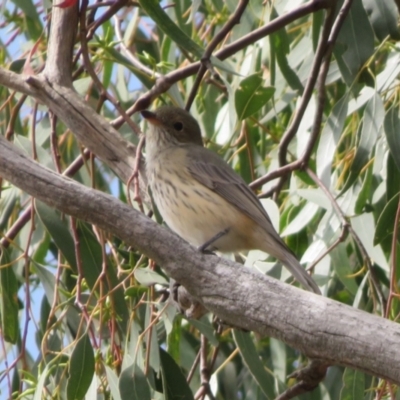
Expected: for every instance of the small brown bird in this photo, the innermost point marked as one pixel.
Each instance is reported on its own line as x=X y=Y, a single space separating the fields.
x=200 y=196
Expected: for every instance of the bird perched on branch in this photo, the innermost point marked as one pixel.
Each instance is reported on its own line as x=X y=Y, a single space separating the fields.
x=200 y=196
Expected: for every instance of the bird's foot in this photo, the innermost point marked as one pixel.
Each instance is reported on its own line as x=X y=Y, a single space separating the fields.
x=204 y=247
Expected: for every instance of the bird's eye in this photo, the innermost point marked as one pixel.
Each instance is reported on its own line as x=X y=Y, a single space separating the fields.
x=178 y=126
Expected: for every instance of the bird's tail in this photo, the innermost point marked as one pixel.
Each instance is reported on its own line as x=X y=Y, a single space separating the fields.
x=292 y=264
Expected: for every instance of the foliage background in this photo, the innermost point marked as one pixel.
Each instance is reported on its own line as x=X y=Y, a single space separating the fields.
x=318 y=134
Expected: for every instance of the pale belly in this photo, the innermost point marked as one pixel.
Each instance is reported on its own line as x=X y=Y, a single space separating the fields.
x=197 y=214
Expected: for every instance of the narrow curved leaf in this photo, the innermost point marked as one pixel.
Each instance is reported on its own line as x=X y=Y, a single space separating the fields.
x=385 y=224
x=392 y=129
x=80 y=369
x=355 y=43
x=165 y=23
x=58 y=231
x=252 y=360
x=353 y=385
x=8 y=300
x=383 y=16
x=174 y=382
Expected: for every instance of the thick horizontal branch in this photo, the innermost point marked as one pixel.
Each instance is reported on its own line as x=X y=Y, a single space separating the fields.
x=318 y=327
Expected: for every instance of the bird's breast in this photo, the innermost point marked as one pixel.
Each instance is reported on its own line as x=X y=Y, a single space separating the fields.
x=192 y=210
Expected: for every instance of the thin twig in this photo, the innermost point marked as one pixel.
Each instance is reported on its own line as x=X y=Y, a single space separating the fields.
x=321 y=53
x=92 y=73
x=393 y=292
x=135 y=176
x=219 y=37
x=193 y=367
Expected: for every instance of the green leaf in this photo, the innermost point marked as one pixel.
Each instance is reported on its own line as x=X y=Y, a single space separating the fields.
x=251 y=96
x=8 y=201
x=385 y=224
x=174 y=382
x=80 y=369
x=91 y=257
x=365 y=195
x=58 y=230
x=8 y=300
x=329 y=138
x=256 y=367
x=204 y=326
x=133 y=384
x=392 y=129
x=165 y=23
x=301 y=220
x=353 y=385
x=148 y=277
x=355 y=43
x=383 y=16
x=373 y=117
x=341 y=265
x=28 y=7
x=112 y=379
x=281 y=44
x=152 y=344
x=40 y=387
x=393 y=177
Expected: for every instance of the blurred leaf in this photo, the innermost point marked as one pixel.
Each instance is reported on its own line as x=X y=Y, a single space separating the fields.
x=385 y=224
x=392 y=129
x=174 y=382
x=58 y=231
x=393 y=178
x=28 y=7
x=204 y=326
x=355 y=43
x=353 y=385
x=329 y=138
x=80 y=369
x=165 y=23
x=112 y=379
x=252 y=360
x=8 y=201
x=383 y=16
x=33 y=24
x=152 y=344
x=8 y=299
x=365 y=194
x=301 y=220
x=340 y=261
x=280 y=42
x=40 y=387
x=373 y=117
x=148 y=277
x=251 y=96
x=133 y=384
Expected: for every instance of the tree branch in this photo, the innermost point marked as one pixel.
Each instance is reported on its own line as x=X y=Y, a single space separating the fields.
x=62 y=35
x=319 y=327
x=92 y=130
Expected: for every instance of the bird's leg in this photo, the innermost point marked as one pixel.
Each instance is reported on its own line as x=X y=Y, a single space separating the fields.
x=203 y=247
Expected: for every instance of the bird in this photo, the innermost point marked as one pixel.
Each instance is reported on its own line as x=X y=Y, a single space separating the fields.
x=202 y=199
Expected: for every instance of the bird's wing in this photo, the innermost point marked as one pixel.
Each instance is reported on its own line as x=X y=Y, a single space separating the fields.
x=213 y=172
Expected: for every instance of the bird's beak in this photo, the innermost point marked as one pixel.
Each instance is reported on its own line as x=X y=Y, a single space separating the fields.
x=150 y=117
